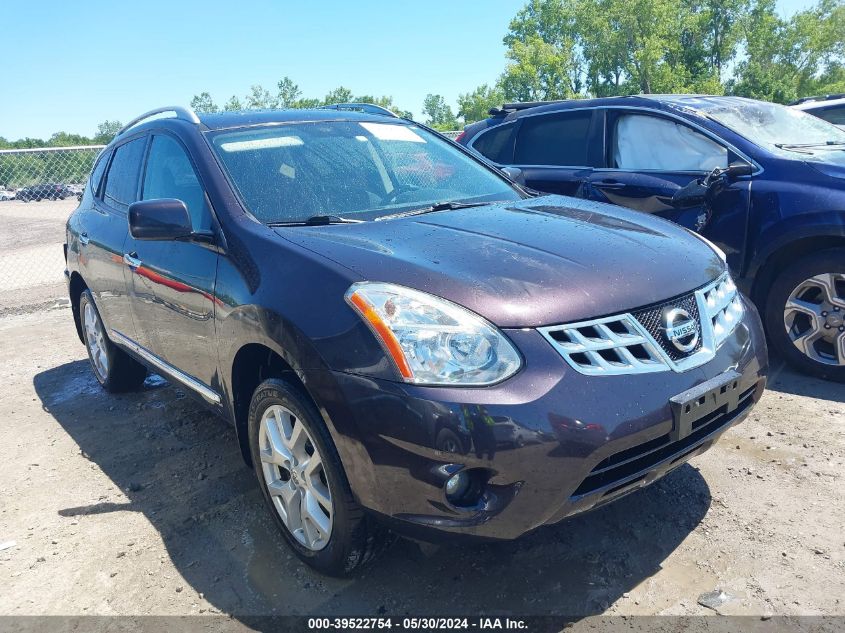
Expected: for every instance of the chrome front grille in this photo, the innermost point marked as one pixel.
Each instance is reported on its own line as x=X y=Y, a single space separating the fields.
x=609 y=346
x=723 y=306
x=636 y=343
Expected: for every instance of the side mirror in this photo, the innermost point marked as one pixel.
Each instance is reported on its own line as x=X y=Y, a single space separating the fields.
x=738 y=169
x=161 y=219
x=513 y=173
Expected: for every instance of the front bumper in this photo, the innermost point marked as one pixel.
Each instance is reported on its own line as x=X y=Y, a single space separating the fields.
x=557 y=442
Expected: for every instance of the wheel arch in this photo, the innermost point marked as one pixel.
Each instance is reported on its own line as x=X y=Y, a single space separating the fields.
x=767 y=265
x=252 y=364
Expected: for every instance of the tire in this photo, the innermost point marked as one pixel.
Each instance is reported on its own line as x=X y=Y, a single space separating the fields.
x=805 y=314
x=353 y=538
x=114 y=369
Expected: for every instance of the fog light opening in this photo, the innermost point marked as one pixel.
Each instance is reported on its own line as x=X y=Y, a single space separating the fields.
x=464 y=488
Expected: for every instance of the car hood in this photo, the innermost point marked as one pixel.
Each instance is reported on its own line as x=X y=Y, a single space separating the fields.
x=539 y=261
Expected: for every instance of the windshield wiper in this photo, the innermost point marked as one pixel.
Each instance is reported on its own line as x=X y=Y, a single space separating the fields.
x=803 y=145
x=437 y=206
x=318 y=220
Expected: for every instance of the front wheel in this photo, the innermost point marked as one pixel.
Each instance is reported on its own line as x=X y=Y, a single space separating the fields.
x=304 y=483
x=114 y=369
x=805 y=314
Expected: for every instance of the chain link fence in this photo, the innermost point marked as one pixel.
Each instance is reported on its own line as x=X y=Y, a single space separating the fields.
x=39 y=188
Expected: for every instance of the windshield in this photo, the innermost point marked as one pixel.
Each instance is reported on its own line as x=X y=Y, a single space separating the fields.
x=774 y=126
x=352 y=169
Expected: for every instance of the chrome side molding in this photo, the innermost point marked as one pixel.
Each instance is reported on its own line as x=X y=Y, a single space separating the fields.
x=202 y=389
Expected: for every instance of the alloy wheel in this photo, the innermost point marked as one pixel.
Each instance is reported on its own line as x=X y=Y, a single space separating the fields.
x=295 y=477
x=95 y=339
x=814 y=317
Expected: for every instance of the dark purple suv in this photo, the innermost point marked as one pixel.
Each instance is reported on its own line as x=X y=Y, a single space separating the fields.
x=404 y=340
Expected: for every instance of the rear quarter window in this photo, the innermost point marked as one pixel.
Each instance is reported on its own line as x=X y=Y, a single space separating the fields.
x=496 y=143
x=97 y=173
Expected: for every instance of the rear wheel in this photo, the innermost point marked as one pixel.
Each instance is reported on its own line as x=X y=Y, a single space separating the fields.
x=805 y=314
x=114 y=369
x=304 y=484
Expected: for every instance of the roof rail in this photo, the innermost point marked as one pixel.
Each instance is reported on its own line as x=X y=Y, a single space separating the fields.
x=369 y=108
x=185 y=114
x=830 y=97
x=514 y=107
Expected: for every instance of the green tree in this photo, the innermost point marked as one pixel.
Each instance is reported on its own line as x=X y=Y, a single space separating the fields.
x=338 y=95
x=106 y=131
x=63 y=139
x=203 y=103
x=788 y=59
x=560 y=49
x=539 y=71
x=306 y=103
x=233 y=104
x=439 y=113
x=288 y=93
x=475 y=106
x=259 y=98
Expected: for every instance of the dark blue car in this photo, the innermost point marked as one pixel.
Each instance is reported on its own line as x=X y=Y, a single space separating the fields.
x=765 y=183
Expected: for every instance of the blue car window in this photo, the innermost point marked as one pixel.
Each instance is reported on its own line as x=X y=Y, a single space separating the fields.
x=835 y=115
x=170 y=175
x=554 y=139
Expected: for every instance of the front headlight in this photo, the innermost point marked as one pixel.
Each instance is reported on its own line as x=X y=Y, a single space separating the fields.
x=433 y=341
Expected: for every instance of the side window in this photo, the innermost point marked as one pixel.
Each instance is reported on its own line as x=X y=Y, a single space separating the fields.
x=496 y=143
x=170 y=174
x=122 y=178
x=653 y=143
x=554 y=139
x=97 y=173
x=835 y=115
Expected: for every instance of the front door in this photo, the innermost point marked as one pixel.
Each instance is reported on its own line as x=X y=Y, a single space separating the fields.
x=651 y=157
x=173 y=282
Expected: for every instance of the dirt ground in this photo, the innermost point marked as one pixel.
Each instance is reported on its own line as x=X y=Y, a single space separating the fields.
x=31 y=256
x=140 y=504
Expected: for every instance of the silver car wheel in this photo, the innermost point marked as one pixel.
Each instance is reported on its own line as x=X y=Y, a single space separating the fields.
x=814 y=317
x=95 y=339
x=295 y=477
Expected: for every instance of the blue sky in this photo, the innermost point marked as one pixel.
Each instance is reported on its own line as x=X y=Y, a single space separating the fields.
x=70 y=65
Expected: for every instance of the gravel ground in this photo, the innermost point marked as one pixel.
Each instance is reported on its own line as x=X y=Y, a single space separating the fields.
x=140 y=504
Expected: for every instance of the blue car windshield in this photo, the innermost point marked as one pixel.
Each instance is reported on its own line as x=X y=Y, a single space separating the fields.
x=358 y=170
x=778 y=128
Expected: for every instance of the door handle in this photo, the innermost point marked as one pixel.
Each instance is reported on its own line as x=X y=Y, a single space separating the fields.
x=84 y=239
x=131 y=260
x=611 y=184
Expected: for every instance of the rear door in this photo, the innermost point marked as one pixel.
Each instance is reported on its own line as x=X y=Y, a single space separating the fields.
x=557 y=151
x=103 y=233
x=173 y=281
x=649 y=157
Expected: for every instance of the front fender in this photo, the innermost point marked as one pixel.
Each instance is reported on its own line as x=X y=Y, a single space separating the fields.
x=792 y=229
